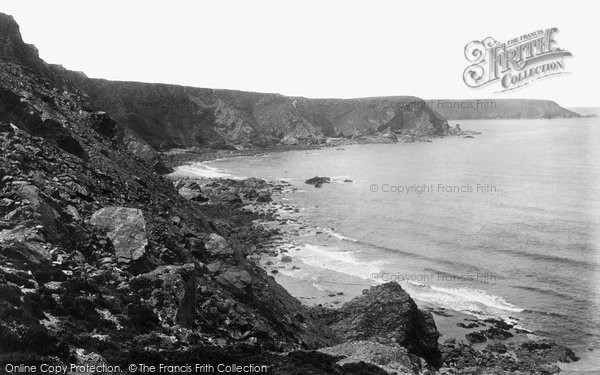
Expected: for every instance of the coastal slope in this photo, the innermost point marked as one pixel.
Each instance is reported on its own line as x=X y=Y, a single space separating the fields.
x=104 y=261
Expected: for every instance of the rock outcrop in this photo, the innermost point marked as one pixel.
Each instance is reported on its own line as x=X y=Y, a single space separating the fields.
x=388 y=315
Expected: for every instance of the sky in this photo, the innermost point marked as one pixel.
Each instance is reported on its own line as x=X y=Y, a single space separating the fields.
x=317 y=49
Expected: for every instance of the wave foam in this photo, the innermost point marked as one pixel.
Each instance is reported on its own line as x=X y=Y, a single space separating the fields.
x=340 y=236
x=201 y=170
x=339 y=261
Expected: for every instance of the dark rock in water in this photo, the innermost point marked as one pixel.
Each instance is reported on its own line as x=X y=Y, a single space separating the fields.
x=498 y=323
x=286 y=259
x=475 y=337
x=492 y=333
x=318 y=181
x=468 y=325
x=495 y=333
x=388 y=315
x=126 y=228
x=348 y=180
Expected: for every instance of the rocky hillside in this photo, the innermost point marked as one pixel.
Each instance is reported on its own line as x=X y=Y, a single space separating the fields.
x=471 y=109
x=102 y=260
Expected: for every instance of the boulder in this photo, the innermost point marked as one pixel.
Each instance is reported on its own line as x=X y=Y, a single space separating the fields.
x=103 y=124
x=235 y=279
x=170 y=292
x=388 y=315
x=126 y=229
x=192 y=194
x=217 y=245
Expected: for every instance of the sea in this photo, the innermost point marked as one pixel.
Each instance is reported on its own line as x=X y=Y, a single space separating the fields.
x=504 y=224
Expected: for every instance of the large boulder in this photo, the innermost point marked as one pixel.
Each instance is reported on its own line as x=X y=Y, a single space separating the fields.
x=217 y=245
x=388 y=315
x=126 y=229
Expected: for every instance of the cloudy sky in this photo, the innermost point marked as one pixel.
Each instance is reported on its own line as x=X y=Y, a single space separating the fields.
x=308 y=48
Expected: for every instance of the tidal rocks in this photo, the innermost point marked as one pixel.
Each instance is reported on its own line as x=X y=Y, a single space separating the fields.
x=545 y=352
x=388 y=315
x=318 y=181
x=476 y=337
x=528 y=358
x=126 y=228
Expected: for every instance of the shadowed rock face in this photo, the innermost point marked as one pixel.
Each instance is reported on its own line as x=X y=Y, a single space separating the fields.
x=170 y=116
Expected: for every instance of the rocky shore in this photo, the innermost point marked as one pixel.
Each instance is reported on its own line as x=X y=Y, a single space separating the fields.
x=366 y=322
x=105 y=261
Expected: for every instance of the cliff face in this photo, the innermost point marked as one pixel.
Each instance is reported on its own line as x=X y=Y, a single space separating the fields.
x=170 y=116
x=500 y=109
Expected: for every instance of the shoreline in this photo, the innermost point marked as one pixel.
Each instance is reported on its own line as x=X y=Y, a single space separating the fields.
x=454 y=326
x=183 y=156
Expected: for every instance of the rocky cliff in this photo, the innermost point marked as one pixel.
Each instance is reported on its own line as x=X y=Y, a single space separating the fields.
x=471 y=109
x=170 y=116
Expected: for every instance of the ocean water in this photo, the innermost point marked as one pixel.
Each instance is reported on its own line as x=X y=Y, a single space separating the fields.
x=506 y=224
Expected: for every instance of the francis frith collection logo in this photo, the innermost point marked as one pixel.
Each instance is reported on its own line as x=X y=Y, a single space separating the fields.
x=515 y=63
